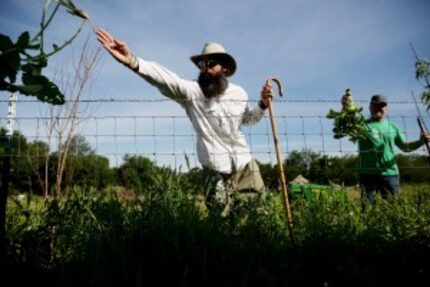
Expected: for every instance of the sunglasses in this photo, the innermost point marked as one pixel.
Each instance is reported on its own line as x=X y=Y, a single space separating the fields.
x=210 y=63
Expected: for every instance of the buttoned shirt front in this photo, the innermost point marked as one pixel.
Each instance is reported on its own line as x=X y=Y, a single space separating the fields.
x=221 y=145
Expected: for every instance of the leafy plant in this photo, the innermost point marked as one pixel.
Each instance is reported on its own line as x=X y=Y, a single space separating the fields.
x=349 y=121
x=19 y=57
x=93 y=236
x=422 y=72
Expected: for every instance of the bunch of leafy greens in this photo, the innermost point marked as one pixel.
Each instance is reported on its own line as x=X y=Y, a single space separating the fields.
x=349 y=121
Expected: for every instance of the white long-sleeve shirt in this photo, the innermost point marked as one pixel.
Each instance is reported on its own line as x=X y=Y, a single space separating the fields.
x=221 y=145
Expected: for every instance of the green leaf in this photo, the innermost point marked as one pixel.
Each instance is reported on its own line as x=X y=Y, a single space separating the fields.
x=42 y=63
x=36 y=64
x=30 y=89
x=4 y=86
x=27 y=68
x=32 y=68
x=23 y=40
x=5 y=42
x=49 y=93
x=422 y=68
x=12 y=59
x=10 y=65
x=28 y=79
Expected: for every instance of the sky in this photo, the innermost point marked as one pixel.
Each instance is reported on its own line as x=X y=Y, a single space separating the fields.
x=316 y=48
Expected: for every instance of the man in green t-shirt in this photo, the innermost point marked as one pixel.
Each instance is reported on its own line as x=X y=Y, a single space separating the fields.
x=377 y=168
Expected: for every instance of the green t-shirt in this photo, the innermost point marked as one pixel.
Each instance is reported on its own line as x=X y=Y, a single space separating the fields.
x=376 y=151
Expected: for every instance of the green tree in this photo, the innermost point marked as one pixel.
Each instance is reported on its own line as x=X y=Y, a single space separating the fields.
x=82 y=168
x=413 y=168
x=342 y=170
x=19 y=168
x=85 y=168
x=299 y=162
x=322 y=169
x=30 y=172
x=137 y=173
x=89 y=170
x=270 y=175
x=27 y=163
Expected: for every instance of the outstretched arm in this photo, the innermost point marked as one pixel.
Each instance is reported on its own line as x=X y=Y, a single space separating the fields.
x=118 y=49
x=411 y=146
x=167 y=82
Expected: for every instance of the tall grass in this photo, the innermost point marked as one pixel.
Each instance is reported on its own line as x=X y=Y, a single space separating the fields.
x=164 y=237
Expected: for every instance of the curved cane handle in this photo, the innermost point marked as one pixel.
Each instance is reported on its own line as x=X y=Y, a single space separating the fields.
x=278 y=82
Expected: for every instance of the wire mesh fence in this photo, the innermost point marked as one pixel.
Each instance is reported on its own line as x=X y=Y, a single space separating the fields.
x=116 y=127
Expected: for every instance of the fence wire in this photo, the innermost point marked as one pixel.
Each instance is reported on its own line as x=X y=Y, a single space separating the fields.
x=170 y=140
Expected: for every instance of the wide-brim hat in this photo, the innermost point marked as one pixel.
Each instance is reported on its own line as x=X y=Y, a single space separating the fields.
x=216 y=51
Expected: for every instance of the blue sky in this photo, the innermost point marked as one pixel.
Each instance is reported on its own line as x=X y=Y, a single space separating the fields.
x=316 y=48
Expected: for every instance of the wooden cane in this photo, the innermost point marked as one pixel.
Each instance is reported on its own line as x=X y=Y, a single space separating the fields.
x=278 y=156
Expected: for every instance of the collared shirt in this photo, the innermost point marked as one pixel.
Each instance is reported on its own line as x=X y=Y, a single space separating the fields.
x=221 y=145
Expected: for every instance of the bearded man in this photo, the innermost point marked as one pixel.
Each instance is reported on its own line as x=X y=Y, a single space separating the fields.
x=217 y=109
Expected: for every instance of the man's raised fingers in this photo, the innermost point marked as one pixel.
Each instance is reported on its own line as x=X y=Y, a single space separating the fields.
x=105 y=36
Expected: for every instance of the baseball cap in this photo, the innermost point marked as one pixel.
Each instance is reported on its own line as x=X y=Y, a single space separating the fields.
x=378 y=100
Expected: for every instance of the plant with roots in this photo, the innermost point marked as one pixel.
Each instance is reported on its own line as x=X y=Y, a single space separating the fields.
x=28 y=57
x=349 y=121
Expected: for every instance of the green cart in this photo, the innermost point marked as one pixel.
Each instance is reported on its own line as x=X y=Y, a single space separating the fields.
x=308 y=191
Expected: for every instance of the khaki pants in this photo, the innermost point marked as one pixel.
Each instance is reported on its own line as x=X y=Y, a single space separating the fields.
x=245 y=183
x=246 y=179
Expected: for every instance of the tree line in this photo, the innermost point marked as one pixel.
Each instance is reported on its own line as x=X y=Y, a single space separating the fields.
x=33 y=168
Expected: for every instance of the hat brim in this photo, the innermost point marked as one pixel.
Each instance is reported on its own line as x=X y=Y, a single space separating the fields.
x=379 y=103
x=226 y=60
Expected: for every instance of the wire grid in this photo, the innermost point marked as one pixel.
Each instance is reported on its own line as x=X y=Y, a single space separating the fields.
x=170 y=140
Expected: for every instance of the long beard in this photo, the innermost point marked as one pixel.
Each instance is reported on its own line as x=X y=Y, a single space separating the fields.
x=212 y=86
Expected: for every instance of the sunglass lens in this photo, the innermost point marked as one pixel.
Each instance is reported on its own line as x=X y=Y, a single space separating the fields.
x=201 y=64
x=207 y=63
x=211 y=63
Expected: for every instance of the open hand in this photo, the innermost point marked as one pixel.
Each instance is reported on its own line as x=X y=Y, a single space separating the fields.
x=118 y=49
